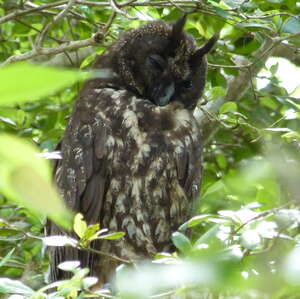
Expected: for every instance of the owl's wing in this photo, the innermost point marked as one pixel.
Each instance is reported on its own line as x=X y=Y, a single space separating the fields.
x=189 y=164
x=82 y=174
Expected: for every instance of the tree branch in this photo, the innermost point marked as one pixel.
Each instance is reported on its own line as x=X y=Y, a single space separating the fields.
x=237 y=87
x=70 y=46
x=51 y=51
x=289 y=52
x=15 y=14
x=116 y=9
x=106 y=254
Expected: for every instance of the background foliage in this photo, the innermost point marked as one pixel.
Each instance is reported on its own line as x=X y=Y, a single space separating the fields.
x=245 y=232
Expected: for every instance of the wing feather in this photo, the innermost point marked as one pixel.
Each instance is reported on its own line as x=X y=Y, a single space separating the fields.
x=81 y=176
x=188 y=164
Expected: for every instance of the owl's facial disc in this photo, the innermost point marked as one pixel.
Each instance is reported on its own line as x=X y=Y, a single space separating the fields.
x=162 y=94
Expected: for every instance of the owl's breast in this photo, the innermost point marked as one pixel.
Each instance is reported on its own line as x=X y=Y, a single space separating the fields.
x=144 y=197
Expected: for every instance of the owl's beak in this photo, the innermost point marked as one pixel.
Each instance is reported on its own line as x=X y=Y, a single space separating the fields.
x=162 y=95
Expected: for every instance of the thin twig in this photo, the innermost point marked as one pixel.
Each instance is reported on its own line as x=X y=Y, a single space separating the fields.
x=261 y=215
x=127 y=3
x=271 y=126
x=21 y=230
x=15 y=14
x=275 y=42
x=177 y=6
x=271 y=15
x=113 y=257
x=252 y=85
x=58 y=17
x=37 y=30
x=116 y=9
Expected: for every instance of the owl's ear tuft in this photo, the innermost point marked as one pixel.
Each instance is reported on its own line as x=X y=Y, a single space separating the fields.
x=197 y=56
x=177 y=30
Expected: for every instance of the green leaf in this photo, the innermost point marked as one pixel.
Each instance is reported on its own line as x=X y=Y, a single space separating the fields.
x=8 y=121
x=26 y=179
x=231 y=253
x=292 y=25
x=278 y=129
x=209 y=235
x=181 y=242
x=89 y=281
x=228 y=106
x=267 y=229
x=291 y=136
x=254 y=26
x=10 y=286
x=69 y=266
x=250 y=239
x=221 y=160
x=58 y=241
x=234 y=3
x=222 y=13
x=23 y=82
x=291 y=267
x=80 y=225
x=274 y=68
x=215 y=187
x=294 y=104
x=113 y=236
x=6 y=258
x=216 y=93
x=93 y=232
x=194 y=221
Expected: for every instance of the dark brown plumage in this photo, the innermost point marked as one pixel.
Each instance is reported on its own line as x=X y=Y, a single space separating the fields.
x=132 y=150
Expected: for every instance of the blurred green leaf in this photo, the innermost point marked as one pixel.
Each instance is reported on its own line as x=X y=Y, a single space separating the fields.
x=89 y=282
x=58 y=241
x=222 y=13
x=291 y=267
x=79 y=225
x=292 y=25
x=4 y=260
x=216 y=92
x=221 y=160
x=228 y=106
x=194 y=221
x=113 y=236
x=291 y=136
x=208 y=236
x=92 y=232
x=181 y=242
x=27 y=178
x=69 y=266
x=274 y=68
x=250 y=239
x=254 y=26
x=23 y=82
x=10 y=286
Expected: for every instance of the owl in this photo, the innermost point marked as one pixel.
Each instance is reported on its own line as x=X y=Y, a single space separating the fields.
x=131 y=155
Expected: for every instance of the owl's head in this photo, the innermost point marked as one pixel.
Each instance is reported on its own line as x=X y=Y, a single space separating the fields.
x=160 y=63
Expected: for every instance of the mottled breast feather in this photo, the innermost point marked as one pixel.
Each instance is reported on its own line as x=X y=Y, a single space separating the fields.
x=130 y=166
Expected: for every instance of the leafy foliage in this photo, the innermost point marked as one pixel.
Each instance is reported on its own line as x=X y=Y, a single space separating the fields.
x=243 y=240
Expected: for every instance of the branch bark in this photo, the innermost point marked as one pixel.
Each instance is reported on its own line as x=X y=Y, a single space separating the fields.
x=289 y=52
x=51 y=51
